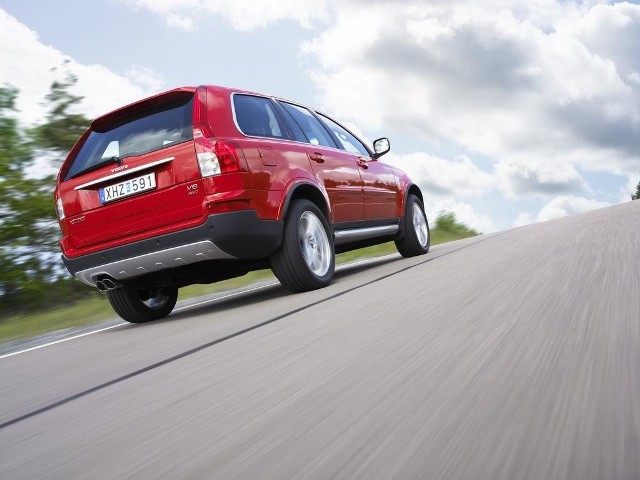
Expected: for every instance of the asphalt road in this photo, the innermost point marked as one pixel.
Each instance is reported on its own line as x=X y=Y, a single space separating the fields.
x=514 y=355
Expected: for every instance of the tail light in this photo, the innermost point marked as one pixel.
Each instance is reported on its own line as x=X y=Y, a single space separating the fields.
x=215 y=157
x=60 y=208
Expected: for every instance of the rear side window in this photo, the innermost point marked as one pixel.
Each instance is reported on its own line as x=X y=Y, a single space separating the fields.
x=312 y=128
x=256 y=117
x=142 y=132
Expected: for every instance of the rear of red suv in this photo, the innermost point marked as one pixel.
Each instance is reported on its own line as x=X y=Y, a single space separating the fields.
x=176 y=189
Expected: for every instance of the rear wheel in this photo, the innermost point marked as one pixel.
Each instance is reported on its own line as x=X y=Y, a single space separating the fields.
x=416 y=239
x=305 y=260
x=144 y=305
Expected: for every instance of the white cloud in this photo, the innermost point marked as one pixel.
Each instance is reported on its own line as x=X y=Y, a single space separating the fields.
x=179 y=21
x=146 y=79
x=444 y=182
x=560 y=207
x=525 y=178
x=516 y=82
x=34 y=77
x=610 y=31
x=440 y=178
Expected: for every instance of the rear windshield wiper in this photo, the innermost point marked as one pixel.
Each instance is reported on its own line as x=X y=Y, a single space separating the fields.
x=106 y=161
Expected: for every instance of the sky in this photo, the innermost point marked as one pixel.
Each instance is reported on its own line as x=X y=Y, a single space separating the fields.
x=504 y=112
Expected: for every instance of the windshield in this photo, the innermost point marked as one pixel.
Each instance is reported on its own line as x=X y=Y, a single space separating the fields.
x=143 y=132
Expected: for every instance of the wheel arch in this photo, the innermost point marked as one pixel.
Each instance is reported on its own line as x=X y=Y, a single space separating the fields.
x=415 y=190
x=310 y=192
x=412 y=189
x=413 y=237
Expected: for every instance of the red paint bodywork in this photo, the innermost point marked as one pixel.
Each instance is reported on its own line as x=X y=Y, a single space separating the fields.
x=355 y=188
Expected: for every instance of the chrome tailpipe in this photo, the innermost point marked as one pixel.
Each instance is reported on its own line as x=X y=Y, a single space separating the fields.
x=106 y=284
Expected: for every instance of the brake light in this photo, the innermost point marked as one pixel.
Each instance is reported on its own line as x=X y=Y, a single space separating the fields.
x=215 y=157
x=60 y=208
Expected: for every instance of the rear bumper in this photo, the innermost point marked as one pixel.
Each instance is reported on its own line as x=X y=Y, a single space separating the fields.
x=233 y=235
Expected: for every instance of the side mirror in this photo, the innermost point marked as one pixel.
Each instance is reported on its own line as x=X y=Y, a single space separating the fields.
x=380 y=147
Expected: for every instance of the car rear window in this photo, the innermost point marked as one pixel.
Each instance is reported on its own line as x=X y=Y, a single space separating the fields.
x=256 y=116
x=142 y=132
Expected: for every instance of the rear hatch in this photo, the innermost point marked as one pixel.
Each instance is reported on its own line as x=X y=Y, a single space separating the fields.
x=133 y=174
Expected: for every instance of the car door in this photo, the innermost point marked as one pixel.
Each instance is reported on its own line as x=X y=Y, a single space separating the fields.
x=381 y=194
x=335 y=169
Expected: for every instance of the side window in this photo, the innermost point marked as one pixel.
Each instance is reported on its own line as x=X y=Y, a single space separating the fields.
x=294 y=128
x=256 y=116
x=313 y=130
x=346 y=140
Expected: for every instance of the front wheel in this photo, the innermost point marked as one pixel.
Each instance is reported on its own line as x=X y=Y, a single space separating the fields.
x=305 y=260
x=416 y=239
x=143 y=305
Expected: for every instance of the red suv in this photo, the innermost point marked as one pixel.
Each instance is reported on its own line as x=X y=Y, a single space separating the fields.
x=201 y=184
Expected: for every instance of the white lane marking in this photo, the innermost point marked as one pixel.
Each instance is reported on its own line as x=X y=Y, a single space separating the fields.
x=60 y=341
x=259 y=287
x=6 y=355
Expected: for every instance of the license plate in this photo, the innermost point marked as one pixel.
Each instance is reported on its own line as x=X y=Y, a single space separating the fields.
x=128 y=187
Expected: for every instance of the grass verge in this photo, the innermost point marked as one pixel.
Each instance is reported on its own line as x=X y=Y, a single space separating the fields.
x=97 y=308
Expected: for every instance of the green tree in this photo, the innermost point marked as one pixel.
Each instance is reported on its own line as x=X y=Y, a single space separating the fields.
x=63 y=126
x=29 y=255
x=636 y=196
x=27 y=219
x=447 y=222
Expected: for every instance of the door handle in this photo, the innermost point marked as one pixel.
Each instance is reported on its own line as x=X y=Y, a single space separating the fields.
x=316 y=157
x=363 y=163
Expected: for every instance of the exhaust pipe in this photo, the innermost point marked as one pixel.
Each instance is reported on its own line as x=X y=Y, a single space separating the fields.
x=110 y=284
x=105 y=284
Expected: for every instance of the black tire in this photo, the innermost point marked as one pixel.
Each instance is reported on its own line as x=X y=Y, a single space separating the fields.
x=416 y=238
x=306 y=259
x=145 y=305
